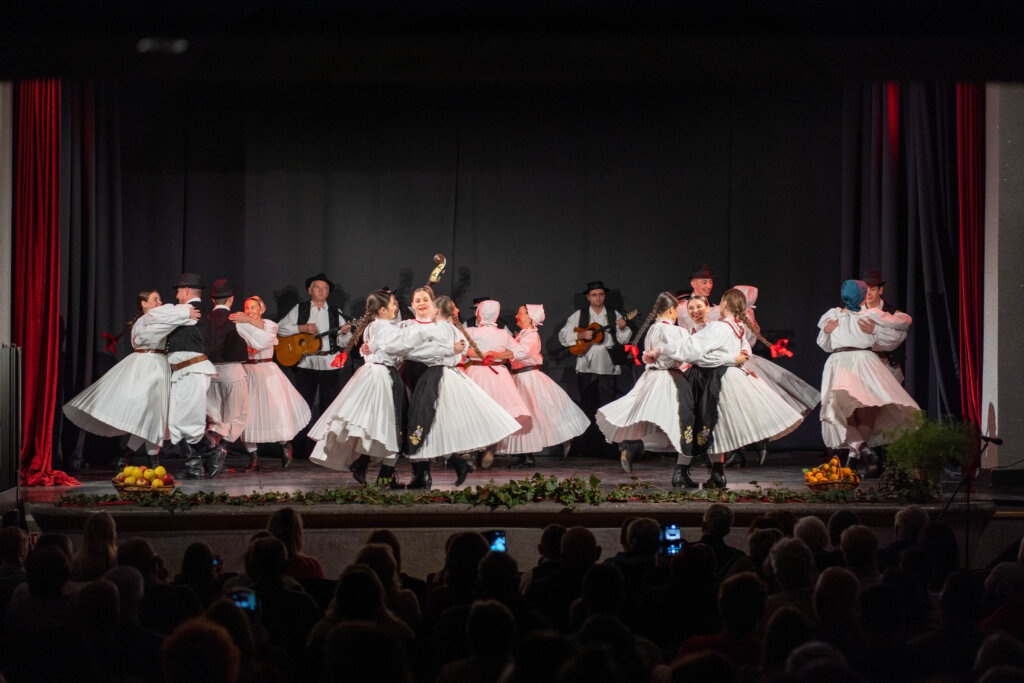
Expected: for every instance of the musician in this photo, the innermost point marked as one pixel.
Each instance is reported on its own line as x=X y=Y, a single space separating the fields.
x=314 y=376
x=595 y=372
x=191 y=372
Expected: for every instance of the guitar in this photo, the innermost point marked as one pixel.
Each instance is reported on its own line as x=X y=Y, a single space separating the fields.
x=291 y=349
x=581 y=346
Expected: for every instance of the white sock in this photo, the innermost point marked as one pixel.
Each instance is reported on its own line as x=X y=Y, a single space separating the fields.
x=683 y=460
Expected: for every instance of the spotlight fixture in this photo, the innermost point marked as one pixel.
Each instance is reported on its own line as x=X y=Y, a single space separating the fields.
x=153 y=45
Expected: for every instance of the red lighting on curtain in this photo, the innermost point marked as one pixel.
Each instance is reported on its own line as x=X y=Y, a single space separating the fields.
x=36 y=322
x=970 y=138
x=892 y=121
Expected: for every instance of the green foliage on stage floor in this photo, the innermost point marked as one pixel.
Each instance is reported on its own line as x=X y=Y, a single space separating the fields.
x=571 y=493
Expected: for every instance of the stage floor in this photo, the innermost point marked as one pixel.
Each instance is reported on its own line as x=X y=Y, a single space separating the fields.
x=780 y=470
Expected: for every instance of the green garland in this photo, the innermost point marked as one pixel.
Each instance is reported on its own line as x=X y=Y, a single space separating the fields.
x=571 y=493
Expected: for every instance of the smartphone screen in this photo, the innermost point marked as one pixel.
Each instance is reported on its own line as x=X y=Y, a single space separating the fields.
x=671 y=539
x=245 y=599
x=496 y=537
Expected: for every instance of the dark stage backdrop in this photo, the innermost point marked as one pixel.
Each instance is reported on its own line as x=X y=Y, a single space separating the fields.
x=530 y=193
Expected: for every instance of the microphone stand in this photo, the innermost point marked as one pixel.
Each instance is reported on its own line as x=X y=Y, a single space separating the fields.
x=968 y=478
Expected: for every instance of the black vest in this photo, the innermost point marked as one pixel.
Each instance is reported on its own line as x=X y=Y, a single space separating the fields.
x=192 y=337
x=333 y=315
x=226 y=346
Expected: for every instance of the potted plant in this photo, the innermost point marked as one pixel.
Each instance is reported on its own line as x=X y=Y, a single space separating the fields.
x=916 y=459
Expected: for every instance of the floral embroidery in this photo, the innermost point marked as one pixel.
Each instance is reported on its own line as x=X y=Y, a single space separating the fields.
x=688 y=434
x=415 y=437
x=703 y=436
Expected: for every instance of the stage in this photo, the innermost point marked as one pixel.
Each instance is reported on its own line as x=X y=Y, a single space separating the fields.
x=335 y=532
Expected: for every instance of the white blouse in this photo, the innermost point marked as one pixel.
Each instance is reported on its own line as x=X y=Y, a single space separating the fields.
x=890 y=329
x=150 y=331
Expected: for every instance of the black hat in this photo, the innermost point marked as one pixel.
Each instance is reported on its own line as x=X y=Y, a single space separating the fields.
x=596 y=284
x=480 y=299
x=323 y=278
x=704 y=271
x=683 y=293
x=874 y=279
x=190 y=280
x=222 y=289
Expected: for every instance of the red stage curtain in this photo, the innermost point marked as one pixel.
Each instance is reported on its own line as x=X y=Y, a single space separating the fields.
x=970 y=127
x=36 y=291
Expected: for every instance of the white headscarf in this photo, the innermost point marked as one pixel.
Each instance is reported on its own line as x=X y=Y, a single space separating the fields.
x=536 y=313
x=487 y=312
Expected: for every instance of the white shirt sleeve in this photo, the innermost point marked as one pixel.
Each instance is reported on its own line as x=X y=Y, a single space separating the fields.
x=257 y=338
x=567 y=335
x=163 y=319
x=625 y=334
x=825 y=339
x=342 y=339
x=289 y=324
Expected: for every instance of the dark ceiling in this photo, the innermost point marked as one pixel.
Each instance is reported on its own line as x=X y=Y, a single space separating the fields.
x=477 y=42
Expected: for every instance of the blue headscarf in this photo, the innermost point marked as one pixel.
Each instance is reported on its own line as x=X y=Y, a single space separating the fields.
x=853 y=294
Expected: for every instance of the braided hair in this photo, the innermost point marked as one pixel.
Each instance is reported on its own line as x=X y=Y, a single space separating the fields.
x=734 y=300
x=664 y=302
x=375 y=301
x=446 y=307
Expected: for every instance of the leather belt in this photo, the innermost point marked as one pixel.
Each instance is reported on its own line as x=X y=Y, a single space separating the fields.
x=525 y=368
x=844 y=349
x=185 y=363
x=254 y=361
x=160 y=351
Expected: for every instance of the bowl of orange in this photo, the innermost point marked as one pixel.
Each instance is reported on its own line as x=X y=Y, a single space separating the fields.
x=831 y=475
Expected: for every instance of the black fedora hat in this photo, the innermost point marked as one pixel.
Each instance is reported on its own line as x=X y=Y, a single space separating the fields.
x=874 y=279
x=596 y=284
x=190 y=280
x=222 y=289
x=704 y=271
x=323 y=278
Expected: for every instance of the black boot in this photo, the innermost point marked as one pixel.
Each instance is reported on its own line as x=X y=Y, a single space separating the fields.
x=681 y=478
x=387 y=475
x=153 y=460
x=421 y=476
x=212 y=457
x=485 y=459
x=627 y=451
x=717 y=480
x=254 y=462
x=872 y=463
x=525 y=461
x=736 y=458
x=286 y=455
x=193 y=461
x=461 y=467
x=358 y=468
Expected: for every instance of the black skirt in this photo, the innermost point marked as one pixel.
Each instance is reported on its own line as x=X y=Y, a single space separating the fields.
x=422 y=409
x=684 y=392
x=707 y=387
x=401 y=401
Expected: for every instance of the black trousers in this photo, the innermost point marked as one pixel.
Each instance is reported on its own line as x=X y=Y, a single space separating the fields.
x=595 y=391
x=318 y=388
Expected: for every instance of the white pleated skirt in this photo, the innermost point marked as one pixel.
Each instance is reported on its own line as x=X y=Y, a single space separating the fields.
x=750 y=411
x=277 y=411
x=855 y=380
x=131 y=398
x=800 y=395
x=648 y=413
x=360 y=421
x=467 y=419
x=496 y=381
x=556 y=419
